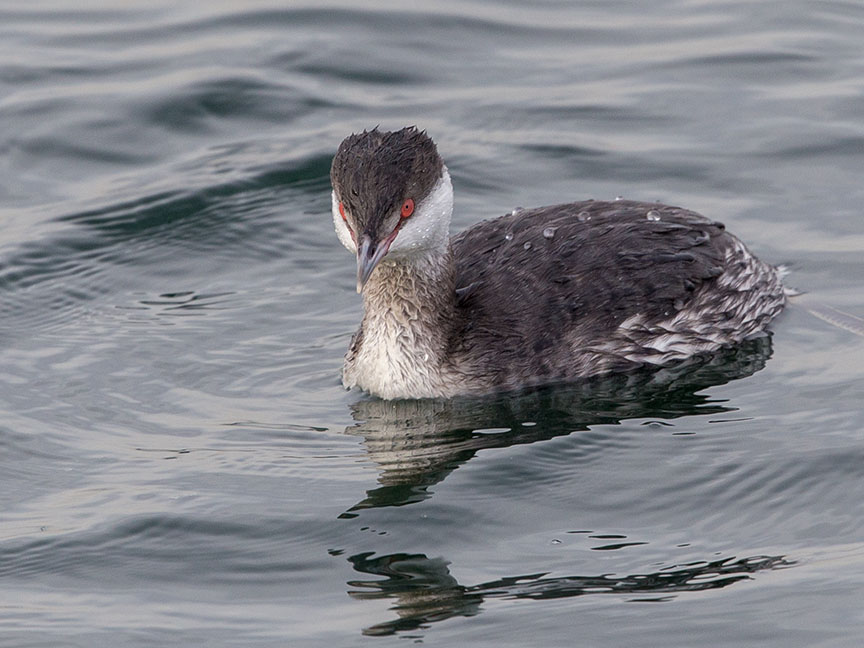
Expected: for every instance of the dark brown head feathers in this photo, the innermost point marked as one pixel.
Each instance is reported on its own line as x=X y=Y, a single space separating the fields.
x=374 y=172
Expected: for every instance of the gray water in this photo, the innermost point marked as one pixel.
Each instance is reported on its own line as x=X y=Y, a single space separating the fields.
x=179 y=464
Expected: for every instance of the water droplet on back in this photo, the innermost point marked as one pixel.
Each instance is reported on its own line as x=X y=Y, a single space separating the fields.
x=508 y=236
x=583 y=216
x=527 y=245
x=549 y=232
x=653 y=215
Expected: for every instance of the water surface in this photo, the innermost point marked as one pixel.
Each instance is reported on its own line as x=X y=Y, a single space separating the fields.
x=180 y=464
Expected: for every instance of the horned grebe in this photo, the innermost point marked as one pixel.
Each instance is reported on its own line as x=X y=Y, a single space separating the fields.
x=537 y=296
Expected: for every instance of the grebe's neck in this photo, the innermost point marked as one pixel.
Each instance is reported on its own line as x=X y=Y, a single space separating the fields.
x=419 y=282
x=409 y=310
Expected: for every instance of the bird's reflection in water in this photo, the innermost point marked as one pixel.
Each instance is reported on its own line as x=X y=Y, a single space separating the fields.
x=426 y=592
x=416 y=444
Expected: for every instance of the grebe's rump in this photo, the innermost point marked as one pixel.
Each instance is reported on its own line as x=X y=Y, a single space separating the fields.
x=537 y=296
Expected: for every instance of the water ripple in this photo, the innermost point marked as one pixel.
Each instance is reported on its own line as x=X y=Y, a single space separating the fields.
x=50 y=281
x=164 y=549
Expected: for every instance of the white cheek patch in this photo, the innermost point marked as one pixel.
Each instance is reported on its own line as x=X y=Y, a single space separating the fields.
x=429 y=227
x=341 y=226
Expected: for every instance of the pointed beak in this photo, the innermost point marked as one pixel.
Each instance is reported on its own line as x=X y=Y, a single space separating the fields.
x=368 y=256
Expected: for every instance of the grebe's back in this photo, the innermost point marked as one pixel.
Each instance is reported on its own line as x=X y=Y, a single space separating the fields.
x=585 y=288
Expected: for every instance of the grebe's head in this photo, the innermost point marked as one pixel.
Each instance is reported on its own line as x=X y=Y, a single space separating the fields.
x=392 y=197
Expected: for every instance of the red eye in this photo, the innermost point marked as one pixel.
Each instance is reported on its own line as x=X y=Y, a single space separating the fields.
x=407 y=208
x=342 y=211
